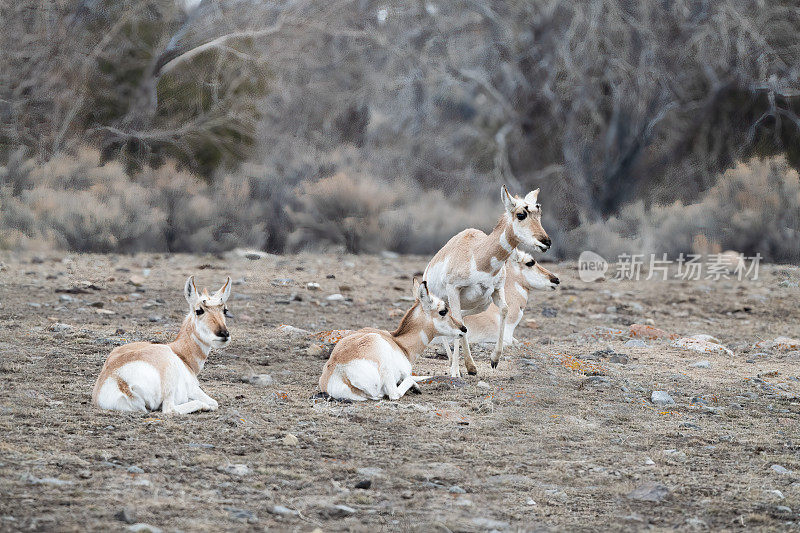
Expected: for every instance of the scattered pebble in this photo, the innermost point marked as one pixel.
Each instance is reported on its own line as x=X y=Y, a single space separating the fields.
x=135 y=470
x=649 y=492
x=660 y=397
x=235 y=469
x=335 y=298
x=283 y=511
x=290 y=440
x=482 y=385
x=317 y=350
x=364 y=484
x=701 y=364
x=126 y=515
x=242 y=514
x=338 y=511
x=313 y=286
x=141 y=527
x=136 y=280
x=455 y=489
x=688 y=343
x=58 y=327
x=636 y=343
x=780 y=469
x=549 y=312
x=263 y=380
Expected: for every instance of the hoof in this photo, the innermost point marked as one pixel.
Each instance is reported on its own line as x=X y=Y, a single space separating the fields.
x=415 y=389
x=494 y=364
x=473 y=372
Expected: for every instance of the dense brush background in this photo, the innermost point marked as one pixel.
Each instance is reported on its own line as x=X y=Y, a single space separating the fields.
x=156 y=125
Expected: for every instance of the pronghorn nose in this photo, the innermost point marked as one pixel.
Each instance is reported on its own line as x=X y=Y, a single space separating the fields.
x=547 y=242
x=556 y=281
x=463 y=329
x=224 y=334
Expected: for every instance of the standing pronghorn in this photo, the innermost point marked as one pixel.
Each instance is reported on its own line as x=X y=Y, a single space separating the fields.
x=143 y=377
x=523 y=274
x=372 y=363
x=469 y=271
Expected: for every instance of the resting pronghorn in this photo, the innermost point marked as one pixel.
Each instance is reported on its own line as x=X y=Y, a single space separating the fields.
x=372 y=363
x=143 y=377
x=523 y=274
x=469 y=271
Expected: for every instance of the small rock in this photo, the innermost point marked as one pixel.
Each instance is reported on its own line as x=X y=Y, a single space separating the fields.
x=689 y=343
x=283 y=511
x=455 y=489
x=33 y=480
x=364 y=484
x=335 y=298
x=136 y=280
x=776 y=493
x=619 y=358
x=338 y=511
x=705 y=338
x=787 y=283
x=701 y=364
x=58 y=327
x=141 y=527
x=317 y=350
x=135 y=470
x=290 y=440
x=126 y=515
x=530 y=502
x=649 y=492
x=263 y=380
x=235 y=469
x=155 y=318
x=490 y=524
x=660 y=397
x=649 y=462
x=242 y=514
x=549 y=312
x=783 y=509
x=254 y=256
x=636 y=343
x=482 y=385
x=313 y=286
x=291 y=330
x=406 y=494
x=371 y=472
x=780 y=469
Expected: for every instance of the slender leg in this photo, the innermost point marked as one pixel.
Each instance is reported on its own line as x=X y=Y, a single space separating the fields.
x=211 y=403
x=468 y=360
x=499 y=299
x=404 y=386
x=191 y=406
x=454 y=303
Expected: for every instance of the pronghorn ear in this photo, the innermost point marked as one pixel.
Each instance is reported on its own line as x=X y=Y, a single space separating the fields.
x=508 y=200
x=190 y=291
x=424 y=295
x=532 y=196
x=225 y=291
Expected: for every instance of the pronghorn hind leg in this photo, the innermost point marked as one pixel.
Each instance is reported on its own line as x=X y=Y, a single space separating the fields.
x=499 y=299
x=469 y=362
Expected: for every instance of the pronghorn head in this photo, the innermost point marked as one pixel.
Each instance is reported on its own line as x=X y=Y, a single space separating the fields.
x=534 y=274
x=208 y=313
x=436 y=311
x=526 y=219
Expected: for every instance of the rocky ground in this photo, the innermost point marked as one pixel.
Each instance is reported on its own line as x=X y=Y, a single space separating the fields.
x=603 y=417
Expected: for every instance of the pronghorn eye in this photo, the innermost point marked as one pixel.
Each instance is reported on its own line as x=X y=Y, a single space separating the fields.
x=199 y=312
x=530 y=263
x=226 y=313
x=443 y=312
x=521 y=215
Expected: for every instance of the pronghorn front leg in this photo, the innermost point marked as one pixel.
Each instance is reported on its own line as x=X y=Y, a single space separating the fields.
x=454 y=303
x=170 y=407
x=199 y=394
x=469 y=362
x=499 y=299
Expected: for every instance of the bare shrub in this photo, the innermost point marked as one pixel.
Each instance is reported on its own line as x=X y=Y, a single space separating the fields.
x=753 y=208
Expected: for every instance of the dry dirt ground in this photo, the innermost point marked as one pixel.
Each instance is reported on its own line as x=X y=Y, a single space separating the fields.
x=562 y=436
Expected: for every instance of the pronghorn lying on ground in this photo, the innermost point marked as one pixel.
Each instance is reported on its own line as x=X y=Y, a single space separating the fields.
x=523 y=274
x=372 y=363
x=144 y=377
x=469 y=271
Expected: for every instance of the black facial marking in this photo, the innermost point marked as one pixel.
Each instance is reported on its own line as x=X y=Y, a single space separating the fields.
x=522 y=214
x=199 y=312
x=443 y=312
x=530 y=263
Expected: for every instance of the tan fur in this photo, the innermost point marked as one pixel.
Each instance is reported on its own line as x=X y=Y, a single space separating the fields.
x=123 y=387
x=473 y=243
x=489 y=321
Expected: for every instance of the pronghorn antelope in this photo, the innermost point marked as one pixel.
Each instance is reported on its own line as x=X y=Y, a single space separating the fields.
x=145 y=377
x=469 y=271
x=523 y=274
x=372 y=363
